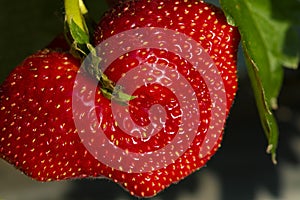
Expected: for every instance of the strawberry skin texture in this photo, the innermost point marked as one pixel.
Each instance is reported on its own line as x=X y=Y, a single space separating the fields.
x=201 y=21
x=37 y=130
x=204 y=23
x=38 y=135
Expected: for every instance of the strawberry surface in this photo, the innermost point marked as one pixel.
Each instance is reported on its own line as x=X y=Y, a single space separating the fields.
x=200 y=21
x=51 y=111
x=37 y=131
x=38 y=134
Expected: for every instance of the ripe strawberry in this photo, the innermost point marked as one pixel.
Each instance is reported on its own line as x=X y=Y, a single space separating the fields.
x=204 y=23
x=201 y=21
x=38 y=133
x=37 y=130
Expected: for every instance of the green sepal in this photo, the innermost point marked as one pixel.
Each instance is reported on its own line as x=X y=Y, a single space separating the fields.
x=79 y=35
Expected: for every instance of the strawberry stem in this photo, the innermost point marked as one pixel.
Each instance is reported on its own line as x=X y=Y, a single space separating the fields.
x=75 y=11
x=108 y=88
x=77 y=29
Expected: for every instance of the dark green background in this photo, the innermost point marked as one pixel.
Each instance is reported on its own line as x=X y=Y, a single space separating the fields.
x=29 y=25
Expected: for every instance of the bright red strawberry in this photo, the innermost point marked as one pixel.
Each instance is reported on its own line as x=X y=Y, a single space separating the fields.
x=48 y=124
x=205 y=24
x=37 y=130
x=37 y=134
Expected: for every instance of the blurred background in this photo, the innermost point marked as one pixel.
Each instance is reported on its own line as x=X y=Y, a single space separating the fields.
x=241 y=170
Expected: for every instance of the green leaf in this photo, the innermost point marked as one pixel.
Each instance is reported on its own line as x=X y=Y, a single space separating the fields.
x=79 y=35
x=267 y=45
x=268 y=120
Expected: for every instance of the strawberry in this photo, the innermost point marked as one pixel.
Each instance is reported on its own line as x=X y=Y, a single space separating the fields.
x=50 y=109
x=201 y=21
x=37 y=131
x=204 y=23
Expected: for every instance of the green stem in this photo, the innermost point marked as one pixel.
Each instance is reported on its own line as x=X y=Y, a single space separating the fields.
x=75 y=9
x=82 y=7
x=76 y=26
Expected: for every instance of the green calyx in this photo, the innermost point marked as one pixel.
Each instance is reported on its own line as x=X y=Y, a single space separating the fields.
x=77 y=33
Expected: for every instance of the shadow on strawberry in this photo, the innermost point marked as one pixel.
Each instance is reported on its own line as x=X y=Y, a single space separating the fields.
x=104 y=189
